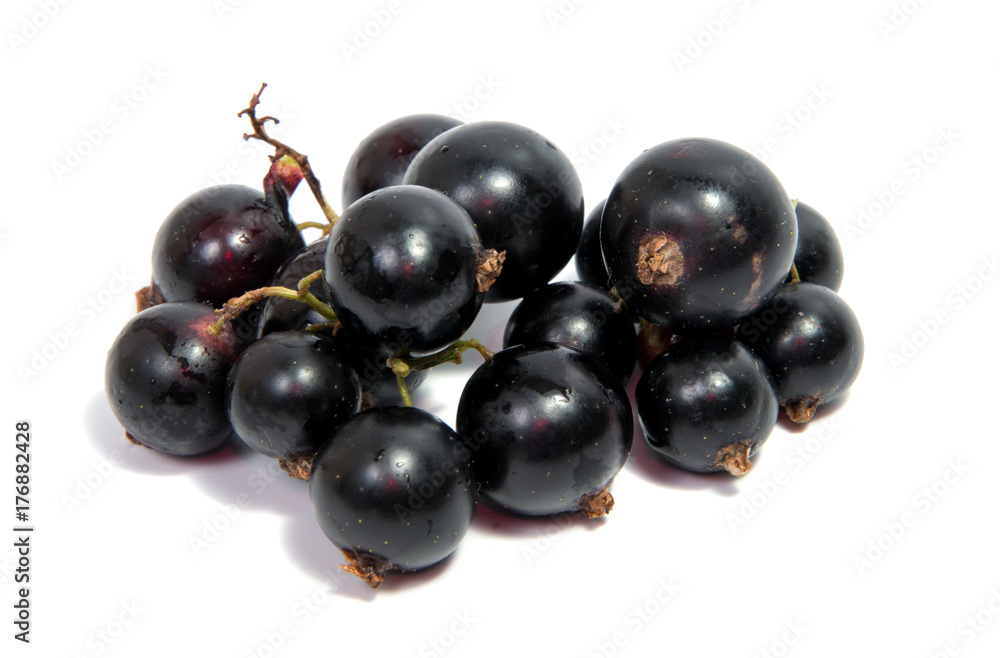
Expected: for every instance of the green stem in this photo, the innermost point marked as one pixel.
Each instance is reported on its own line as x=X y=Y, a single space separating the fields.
x=319 y=225
x=239 y=305
x=794 y=274
x=324 y=326
x=403 y=391
x=451 y=354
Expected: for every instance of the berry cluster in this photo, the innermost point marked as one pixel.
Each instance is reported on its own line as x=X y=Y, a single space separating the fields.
x=697 y=265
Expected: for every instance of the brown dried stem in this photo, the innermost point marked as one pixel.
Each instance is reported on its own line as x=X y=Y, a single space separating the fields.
x=281 y=150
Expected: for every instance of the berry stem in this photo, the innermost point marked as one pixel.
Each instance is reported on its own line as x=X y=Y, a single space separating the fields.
x=282 y=150
x=320 y=225
x=451 y=354
x=404 y=392
x=324 y=326
x=239 y=305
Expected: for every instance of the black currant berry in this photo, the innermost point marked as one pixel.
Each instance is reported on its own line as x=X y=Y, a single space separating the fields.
x=706 y=405
x=521 y=191
x=548 y=428
x=402 y=267
x=818 y=257
x=221 y=242
x=392 y=491
x=165 y=378
x=589 y=259
x=287 y=392
x=378 y=382
x=697 y=235
x=280 y=314
x=382 y=157
x=578 y=315
x=812 y=343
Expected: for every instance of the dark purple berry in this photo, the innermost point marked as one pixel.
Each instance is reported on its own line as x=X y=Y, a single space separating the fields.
x=378 y=383
x=697 y=235
x=589 y=259
x=280 y=314
x=393 y=490
x=548 y=428
x=706 y=405
x=382 y=157
x=221 y=242
x=812 y=343
x=818 y=257
x=520 y=190
x=401 y=267
x=287 y=392
x=165 y=378
x=578 y=315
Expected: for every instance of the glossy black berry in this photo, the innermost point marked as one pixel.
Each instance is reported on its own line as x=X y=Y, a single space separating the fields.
x=393 y=490
x=578 y=315
x=819 y=257
x=378 y=382
x=548 y=428
x=812 y=343
x=221 y=242
x=165 y=378
x=697 y=235
x=706 y=405
x=589 y=259
x=382 y=157
x=401 y=267
x=280 y=314
x=521 y=191
x=288 y=391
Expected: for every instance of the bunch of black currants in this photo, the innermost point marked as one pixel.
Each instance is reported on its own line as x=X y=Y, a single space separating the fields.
x=697 y=265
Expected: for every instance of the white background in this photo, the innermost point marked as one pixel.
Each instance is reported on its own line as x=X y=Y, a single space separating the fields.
x=873 y=531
